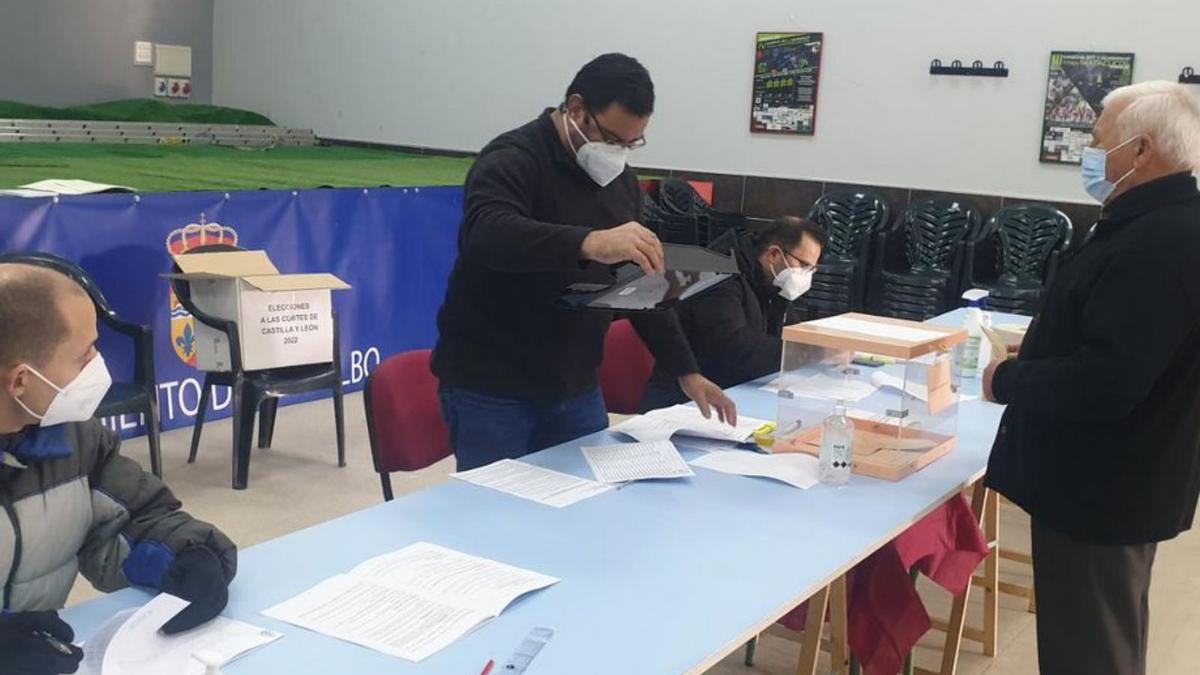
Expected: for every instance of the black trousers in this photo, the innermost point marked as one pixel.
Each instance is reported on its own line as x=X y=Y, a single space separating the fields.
x=1093 y=605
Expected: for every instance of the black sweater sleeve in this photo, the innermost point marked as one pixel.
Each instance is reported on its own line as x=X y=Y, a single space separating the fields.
x=1136 y=317
x=497 y=230
x=664 y=336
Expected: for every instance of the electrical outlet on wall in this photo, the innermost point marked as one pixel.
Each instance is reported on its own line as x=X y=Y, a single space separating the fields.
x=143 y=53
x=160 y=87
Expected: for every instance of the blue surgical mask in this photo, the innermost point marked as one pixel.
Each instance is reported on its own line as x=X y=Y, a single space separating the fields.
x=1095 y=172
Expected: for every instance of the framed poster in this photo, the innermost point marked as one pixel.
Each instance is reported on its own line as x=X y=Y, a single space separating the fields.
x=787 y=67
x=1078 y=82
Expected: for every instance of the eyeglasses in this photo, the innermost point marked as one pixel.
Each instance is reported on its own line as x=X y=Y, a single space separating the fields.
x=799 y=263
x=612 y=139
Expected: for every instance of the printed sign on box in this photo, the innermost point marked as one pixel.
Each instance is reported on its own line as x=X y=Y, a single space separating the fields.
x=282 y=319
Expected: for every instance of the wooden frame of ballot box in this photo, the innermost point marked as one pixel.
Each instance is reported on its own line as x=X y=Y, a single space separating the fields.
x=902 y=438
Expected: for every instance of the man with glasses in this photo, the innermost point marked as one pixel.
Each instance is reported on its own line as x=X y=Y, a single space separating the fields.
x=735 y=328
x=548 y=205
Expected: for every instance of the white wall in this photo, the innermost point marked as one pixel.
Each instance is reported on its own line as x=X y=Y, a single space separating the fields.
x=454 y=73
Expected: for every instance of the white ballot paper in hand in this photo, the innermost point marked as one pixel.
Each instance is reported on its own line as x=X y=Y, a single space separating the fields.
x=624 y=462
x=411 y=603
x=660 y=425
x=130 y=644
x=534 y=483
x=797 y=469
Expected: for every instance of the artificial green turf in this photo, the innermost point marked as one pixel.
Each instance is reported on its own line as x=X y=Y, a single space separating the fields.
x=171 y=168
x=135 y=110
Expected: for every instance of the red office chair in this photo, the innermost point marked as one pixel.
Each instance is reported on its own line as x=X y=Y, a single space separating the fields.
x=404 y=419
x=625 y=369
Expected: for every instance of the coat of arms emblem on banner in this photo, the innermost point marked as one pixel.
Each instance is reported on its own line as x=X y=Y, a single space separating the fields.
x=186 y=238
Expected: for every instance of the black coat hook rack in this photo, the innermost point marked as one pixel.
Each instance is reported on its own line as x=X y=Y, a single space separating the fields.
x=976 y=69
x=1189 y=76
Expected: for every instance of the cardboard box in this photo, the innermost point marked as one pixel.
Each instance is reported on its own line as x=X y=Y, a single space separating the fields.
x=283 y=319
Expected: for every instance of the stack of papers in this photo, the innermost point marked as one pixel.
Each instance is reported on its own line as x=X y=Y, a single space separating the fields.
x=59 y=186
x=626 y=462
x=822 y=386
x=130 y=644
x=410 y=603
x=794 y=468
x=534 y=483
x=660 y=425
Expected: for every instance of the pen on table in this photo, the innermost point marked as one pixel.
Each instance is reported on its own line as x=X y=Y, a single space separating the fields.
x=488 y=668
x=54 y=642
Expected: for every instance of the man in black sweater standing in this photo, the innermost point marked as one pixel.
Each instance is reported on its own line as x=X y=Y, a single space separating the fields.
x=1101 y=439
x=547 y=205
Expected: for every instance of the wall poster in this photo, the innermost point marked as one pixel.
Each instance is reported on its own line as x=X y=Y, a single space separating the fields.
x=787 y=67
x=1078 y=82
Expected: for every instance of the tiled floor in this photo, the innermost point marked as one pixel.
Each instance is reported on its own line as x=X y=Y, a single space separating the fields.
x=297 y=484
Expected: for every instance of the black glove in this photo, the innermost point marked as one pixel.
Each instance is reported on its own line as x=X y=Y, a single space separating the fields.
x=24 y=652
x=195 y=576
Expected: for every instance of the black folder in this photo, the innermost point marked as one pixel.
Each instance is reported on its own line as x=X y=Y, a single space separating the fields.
x=690 y=270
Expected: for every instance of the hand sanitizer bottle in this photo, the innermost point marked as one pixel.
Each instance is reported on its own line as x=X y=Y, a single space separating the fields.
x=972 y=363
x=837 y=446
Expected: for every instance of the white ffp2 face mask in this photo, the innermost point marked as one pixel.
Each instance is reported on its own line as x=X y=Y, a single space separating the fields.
x=603 y=162
x=78 y=400
x=793 y=282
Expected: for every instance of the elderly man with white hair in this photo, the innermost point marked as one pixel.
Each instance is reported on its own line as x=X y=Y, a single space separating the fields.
x=1101 y=439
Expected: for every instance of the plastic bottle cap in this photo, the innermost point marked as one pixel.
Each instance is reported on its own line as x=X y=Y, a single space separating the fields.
x=975 y=297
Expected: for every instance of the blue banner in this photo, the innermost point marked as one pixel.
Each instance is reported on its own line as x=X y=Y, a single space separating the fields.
x=395 y=246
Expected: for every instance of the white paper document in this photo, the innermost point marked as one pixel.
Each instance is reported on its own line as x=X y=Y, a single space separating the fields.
x=624 y=462
x=919 y=391
x=661 y=425
x=822 y=386
x=877 y=329
x=878 y=417
x=130 y=644
x=534 y=483
x=797 y=469
x=64 y=186
x=410 y=603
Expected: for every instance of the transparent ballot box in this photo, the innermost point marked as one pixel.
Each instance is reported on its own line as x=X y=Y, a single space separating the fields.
x=898 y=379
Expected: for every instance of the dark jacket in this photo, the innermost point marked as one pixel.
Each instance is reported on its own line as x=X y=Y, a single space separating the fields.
x=70 y=503
x=1101 y=438
x=733 y=330
x=528 y=207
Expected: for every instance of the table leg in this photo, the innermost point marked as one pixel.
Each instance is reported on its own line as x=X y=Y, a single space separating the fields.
x=810 y=647
x=991 y=588
x=839 y=649
x=751 y=647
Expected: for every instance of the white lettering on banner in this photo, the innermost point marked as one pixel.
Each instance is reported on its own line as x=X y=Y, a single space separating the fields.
x=184 y=395
x=168 y=412
x=183 y=406
x=216 y=397
x=361 y=364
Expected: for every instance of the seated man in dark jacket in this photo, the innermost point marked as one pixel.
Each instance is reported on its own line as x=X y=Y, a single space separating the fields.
x=734 y=328
x=1101 y=439
x=70 y=502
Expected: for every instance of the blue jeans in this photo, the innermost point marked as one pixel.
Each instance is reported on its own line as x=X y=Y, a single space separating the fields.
x=486 y=428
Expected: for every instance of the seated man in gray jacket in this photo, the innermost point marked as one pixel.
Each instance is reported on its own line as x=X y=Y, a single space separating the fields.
x=69 y=502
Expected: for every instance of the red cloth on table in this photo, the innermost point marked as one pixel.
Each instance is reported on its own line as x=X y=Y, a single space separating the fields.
x=886 y=616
